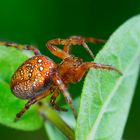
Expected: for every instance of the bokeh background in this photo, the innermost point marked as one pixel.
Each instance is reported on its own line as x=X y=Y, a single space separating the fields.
x=37 y=21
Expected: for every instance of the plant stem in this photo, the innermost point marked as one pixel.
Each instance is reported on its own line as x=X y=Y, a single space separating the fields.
x=49 y=114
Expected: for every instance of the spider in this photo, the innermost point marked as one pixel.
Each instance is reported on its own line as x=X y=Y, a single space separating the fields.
x=39 y=76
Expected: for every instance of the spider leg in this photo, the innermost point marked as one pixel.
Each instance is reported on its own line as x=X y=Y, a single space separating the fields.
x=85 y=39
x=67 y=48
x=31 y=102
x=67 y=43
x=89 y=39
x=73 y=40
x=57 y=80
x=53 y=99
x=21 y=47
x=85 y=66
x=55 y=50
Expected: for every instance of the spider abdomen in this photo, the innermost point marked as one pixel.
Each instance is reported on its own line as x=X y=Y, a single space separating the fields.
x=32 y=77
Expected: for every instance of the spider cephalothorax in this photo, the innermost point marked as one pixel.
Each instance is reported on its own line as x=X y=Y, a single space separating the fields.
x=39 y=76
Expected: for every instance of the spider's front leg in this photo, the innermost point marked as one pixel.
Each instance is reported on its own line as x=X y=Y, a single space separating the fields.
x=67 y=44
x=73 y=40
x=85 y=66
x=85 y=40
x=89 y=39
x=57 y=80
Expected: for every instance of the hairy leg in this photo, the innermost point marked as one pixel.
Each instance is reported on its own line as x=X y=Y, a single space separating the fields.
x=73 y=40
x=31 y=102
x=86 y=40
x=57 y=80
x=53 y=99
x=55 y=50
x=21 y=47
x=85 y=66
x=67 y=43
x=89 y=39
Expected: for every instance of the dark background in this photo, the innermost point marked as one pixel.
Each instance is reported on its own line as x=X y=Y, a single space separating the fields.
x=37 y=21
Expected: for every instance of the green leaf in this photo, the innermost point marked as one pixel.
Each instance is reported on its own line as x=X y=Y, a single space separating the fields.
x=107 y=96
x=10 y=60
x=53 y=132
x=58 y=126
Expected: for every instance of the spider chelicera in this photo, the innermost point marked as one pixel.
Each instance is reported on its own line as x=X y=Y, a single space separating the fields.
x=39 y=76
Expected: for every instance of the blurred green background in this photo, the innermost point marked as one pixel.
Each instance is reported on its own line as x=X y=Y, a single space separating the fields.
x=37 y=21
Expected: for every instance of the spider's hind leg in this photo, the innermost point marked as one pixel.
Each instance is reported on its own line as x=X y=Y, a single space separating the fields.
x=31 y=102
x=21 y=47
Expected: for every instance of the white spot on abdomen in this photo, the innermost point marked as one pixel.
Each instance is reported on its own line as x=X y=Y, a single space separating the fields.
x=41 y=68
x=39 y=61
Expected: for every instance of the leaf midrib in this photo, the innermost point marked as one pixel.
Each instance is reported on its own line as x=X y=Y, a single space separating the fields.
x=93 y=130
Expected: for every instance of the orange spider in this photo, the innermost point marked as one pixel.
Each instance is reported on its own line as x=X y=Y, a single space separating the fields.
x=39 y=76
